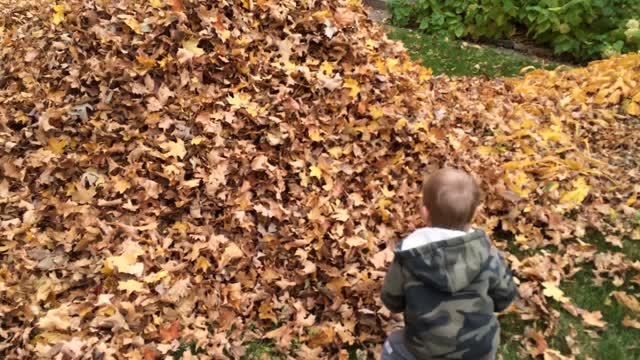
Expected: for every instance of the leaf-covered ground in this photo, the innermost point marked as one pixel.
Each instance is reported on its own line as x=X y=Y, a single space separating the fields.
x=216 y=173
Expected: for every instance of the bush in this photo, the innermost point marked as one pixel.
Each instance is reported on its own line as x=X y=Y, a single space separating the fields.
x=583 y=29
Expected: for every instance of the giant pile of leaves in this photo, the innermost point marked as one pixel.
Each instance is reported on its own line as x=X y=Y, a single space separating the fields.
x=218 y=172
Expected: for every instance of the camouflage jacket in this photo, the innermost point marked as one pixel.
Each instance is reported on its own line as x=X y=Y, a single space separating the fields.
x=449 y=290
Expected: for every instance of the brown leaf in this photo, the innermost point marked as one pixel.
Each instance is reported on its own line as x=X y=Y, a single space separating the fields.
x=593 y=319
x=629 y=322
x=627 y=300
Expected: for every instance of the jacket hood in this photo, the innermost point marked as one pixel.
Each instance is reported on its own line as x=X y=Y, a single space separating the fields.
x=447 y=260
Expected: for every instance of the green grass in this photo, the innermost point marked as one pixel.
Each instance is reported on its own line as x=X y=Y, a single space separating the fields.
x=458 y=58
x=258 y=350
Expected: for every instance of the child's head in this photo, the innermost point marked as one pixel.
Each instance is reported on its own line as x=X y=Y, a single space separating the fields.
x=449 y=199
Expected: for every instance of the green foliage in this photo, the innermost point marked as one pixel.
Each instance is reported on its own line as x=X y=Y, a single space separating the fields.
x=584 y=29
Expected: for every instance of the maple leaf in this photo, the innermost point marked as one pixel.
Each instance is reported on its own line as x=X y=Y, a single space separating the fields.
x=131 y=286
x=174 y=148
x=56 y=319
x=353 y=86
x=554 y=292
x=577 y=195
x=231 y=252
x=133 y=24
x=170 y=332
x=239 y=99
x=593 y=319
x=189 y=50
x=315 y=172
x=127 y=262
x=57 y=145
x=58 y=14
x=627 y=300
x=629 y=322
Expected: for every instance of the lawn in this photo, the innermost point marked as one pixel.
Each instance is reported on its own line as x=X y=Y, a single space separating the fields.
x=459 y=58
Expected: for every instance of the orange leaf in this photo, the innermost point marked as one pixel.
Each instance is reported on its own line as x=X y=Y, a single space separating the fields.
x=171 y=332
x=149 y=353
x=177 y=5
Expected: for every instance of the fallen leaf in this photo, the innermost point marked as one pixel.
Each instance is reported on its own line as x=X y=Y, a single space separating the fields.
x=170 y=332
x=593 y=319
x=629 y=322
x=231 y=252
x=627 y=300
x=131 y=286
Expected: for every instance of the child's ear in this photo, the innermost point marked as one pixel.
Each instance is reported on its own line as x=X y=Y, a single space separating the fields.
x=425 y=215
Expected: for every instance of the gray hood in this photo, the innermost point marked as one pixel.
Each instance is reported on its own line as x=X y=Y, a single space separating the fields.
x=447 y=260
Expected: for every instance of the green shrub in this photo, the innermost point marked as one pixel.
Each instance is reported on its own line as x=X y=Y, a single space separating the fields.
x=584 y=29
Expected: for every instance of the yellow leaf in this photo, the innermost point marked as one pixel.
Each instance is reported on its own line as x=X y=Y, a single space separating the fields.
x=57 y=145
x=487 y=150
x=133 y=24
x=336 y=152
x=315 y=172
x=121 y=185
x=198 y=140
x=127 y=262
x=326 y=68
x=58 y=14
x=131 y=286
x=202 y=264
x=336 y=284
x=375 y=112
x=321 y=15
x=554 y=292
x=632 y=200
x=314 y=135
x=146 y=62
x=400 y=124
x=191 y=46
x=576 y=196
x=156 y=277
x=239 y=99
x=633 y=109
x=520 y=183
x=174 y=148
x=158 y=4
x=265 y=312
x=353 y=86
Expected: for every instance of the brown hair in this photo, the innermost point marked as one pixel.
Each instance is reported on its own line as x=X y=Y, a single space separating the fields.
x=452 y=197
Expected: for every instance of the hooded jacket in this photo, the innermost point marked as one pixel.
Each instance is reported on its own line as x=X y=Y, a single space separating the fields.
x=449 y=284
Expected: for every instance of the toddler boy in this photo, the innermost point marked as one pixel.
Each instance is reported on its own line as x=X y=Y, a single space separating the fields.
x=447 y=279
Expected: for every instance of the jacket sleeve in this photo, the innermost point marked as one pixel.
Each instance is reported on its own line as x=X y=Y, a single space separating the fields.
x=393 y=288
x=502 y=289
